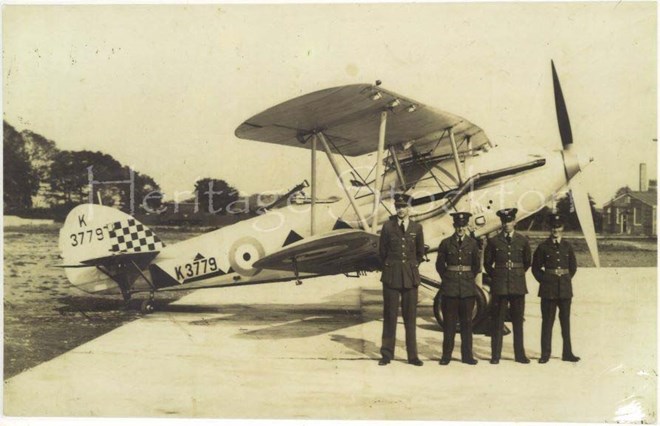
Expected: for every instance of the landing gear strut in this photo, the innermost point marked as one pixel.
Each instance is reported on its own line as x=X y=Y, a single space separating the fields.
x=294 y=263
x=147 y=306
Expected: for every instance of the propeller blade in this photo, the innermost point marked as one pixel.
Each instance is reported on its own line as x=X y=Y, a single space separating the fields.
x=562 y=113
x=583 y=210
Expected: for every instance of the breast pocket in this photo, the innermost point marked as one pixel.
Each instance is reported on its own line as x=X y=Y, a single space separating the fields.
x=452 y=255
x=501 y=255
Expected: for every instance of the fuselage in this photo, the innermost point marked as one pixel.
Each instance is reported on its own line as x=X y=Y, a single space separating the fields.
x=225 y=256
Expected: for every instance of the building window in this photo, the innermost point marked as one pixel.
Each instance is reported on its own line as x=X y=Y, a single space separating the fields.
x=637 y=215
x=616 y=215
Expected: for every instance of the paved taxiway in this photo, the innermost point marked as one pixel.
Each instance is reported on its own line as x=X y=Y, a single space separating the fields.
x=311 y=351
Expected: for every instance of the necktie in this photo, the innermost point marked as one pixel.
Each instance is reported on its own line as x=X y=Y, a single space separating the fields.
x=508 y=238
x=556 y=243
x=403 y=228
x=460 y=241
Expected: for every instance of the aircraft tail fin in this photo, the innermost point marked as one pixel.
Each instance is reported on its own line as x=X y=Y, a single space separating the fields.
x=93 y=231
x=95 y=235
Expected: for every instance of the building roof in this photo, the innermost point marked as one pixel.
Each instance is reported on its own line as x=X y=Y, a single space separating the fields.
x=649 y=198
x=646 y=197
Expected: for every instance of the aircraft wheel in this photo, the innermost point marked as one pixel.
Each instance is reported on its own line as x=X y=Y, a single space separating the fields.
x=479 y=313
x=147 y=307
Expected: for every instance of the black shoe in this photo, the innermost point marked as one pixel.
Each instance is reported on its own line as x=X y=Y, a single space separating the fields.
x=495 y=361
x=384 y=361
x=417 y=362
x=544 y=359
x=524 y=360
x=444 y=361
x=471 y=361
x=570 y=358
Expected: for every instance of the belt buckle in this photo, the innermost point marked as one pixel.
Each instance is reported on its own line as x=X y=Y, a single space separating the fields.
x=509 y=264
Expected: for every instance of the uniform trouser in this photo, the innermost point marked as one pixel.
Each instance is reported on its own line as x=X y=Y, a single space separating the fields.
x=548 y=311
x=408 y=298
x=456 y=308
x=499 y=306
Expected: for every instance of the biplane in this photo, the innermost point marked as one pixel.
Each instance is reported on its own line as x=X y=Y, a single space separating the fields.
x=445 y=162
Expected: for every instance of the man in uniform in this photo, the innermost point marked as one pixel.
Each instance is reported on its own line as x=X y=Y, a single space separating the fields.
x=401 y=250
x=458 y=263
x=506 y=259
x=553 y=267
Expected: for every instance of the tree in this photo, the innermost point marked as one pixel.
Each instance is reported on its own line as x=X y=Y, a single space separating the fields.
x=74 y=174
x=40 y=151
x=147 y=193
x=622 y=190
x=214 y=195
x=21 y=180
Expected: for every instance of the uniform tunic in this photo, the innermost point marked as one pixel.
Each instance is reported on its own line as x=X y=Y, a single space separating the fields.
x=548 y=256
x=451 y=253
x=506 y=264
x=554 y=267
x=400 y=253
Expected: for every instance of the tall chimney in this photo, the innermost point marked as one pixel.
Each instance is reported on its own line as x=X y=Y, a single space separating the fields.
x=643 y=183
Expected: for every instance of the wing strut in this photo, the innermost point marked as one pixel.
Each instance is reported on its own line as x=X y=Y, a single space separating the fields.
x=397 y=165
x=454 y=150
x=379 y=169
x=313 y=207
x=324 y=142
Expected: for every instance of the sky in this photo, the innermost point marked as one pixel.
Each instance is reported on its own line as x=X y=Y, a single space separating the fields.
x=163 y=87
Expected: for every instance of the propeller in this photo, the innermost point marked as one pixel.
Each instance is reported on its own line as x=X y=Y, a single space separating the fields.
x=574 y=163
x=562 y=113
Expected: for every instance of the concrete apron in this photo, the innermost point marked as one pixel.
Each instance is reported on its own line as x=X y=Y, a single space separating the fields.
x=311 y=351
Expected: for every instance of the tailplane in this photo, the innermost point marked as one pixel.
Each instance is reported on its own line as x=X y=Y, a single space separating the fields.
x=100 y=244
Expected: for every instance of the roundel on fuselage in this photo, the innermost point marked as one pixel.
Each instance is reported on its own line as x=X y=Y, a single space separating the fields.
x=243 y=253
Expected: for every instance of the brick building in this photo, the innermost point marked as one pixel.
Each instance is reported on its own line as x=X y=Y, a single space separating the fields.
x=632 y=212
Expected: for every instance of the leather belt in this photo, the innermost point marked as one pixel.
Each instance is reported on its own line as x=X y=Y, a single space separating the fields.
x=510 y=265
x=459 y=268
x=559 y=272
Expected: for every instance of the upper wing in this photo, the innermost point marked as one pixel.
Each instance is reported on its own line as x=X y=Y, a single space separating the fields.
x=349 y=116
x=339 y=251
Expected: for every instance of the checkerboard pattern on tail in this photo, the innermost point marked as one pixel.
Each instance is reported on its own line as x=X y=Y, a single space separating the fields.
x=129 y=236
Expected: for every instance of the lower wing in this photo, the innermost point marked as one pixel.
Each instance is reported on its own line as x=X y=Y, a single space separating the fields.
x=340 y=251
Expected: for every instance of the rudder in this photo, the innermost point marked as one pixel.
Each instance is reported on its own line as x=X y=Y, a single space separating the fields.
x=92 y=231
